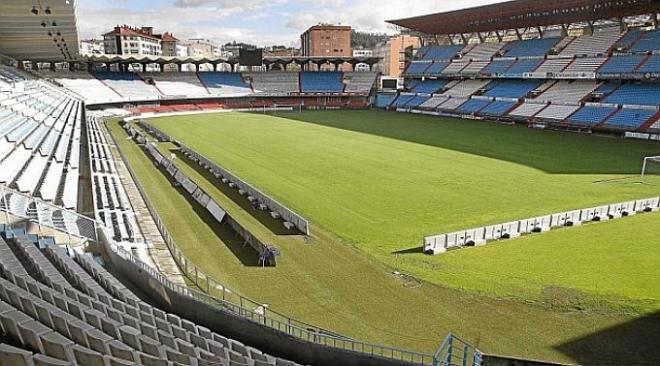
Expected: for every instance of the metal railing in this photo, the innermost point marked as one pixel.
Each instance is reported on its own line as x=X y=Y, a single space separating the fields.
x=309 y=335
x=285 y=325
x=216 y=294
x=457 y=352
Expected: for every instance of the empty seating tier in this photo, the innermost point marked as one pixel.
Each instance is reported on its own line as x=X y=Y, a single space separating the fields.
x=557 y=112
x=498 y=108
x=225 y=83
x=523 y=66
x=359 y=82
x=129 y=85
x=429 y=86
x=651 y=65
x=597 y=44
x=473 y=105
x=512 y=88
x=498 y=66
x=567 y=92
x=466 y=88
x=85 y=85
x=435 y=68
x=553 y=65
x=532 y=47
x=321 y=82
x=630 y=118
x=40 y=141
x=647 y=41
x=622 y=64
x=173 y=84
x=452 y=103
x=528 y=109
x=434 y=102
x=636 y=94
x=274 y=83
x=56 y=310
x=418 y=67
x=585 y=65
x=482 y=51
x=591 y=115
x=442 y=52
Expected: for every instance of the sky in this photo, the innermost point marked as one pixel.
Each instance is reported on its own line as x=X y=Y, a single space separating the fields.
x=260 y=22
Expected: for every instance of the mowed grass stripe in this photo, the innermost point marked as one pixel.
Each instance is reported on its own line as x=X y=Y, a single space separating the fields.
x=384 y=180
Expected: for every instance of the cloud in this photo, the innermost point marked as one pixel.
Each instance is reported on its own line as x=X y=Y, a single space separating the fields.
x=261 y=22
x=301 y=21
x=221 y=4
x=183 y=22
x=371 y=15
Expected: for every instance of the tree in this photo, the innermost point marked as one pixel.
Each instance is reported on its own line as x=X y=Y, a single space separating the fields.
x=367 y=40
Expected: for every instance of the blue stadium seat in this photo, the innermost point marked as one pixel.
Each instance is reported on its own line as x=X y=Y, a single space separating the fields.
x=621 y=64
x=649 y=41
x=417 y=67
x=524 y=65
x=436 y=68
x=498 y=66
x=636 y=94
x=321 y=82
x=416 y=101
x=498 y=108
x=473 y=105
x=532 y=47
x=410 y=83
x=651 y=65
x=220 y=79
x=429 y=86
x=421 y=52
x=591 y=115
x=629 y=118
x=402 y=100
x=608 y=87
x=442 y=52
x=384 y=100
x=627 y=41
x=512 y=88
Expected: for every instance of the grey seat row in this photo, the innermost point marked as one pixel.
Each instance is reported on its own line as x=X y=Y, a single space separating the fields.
x=80 y=314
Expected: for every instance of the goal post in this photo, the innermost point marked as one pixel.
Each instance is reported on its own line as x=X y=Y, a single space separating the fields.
x=651 y=166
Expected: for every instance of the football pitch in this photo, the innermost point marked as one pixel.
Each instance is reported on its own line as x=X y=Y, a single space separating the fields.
x=374 y=183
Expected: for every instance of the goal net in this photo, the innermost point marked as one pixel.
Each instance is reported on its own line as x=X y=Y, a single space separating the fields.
x=651 y=169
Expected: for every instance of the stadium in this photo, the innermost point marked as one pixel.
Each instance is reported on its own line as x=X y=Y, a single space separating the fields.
x=499 y=208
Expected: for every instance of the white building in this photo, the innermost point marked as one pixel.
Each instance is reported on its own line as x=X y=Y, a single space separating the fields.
x=89 y=47
x=125 y=40
x=362 y=53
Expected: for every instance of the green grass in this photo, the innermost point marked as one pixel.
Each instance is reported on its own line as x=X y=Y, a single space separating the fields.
x=380 y=181
x=595 y=267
